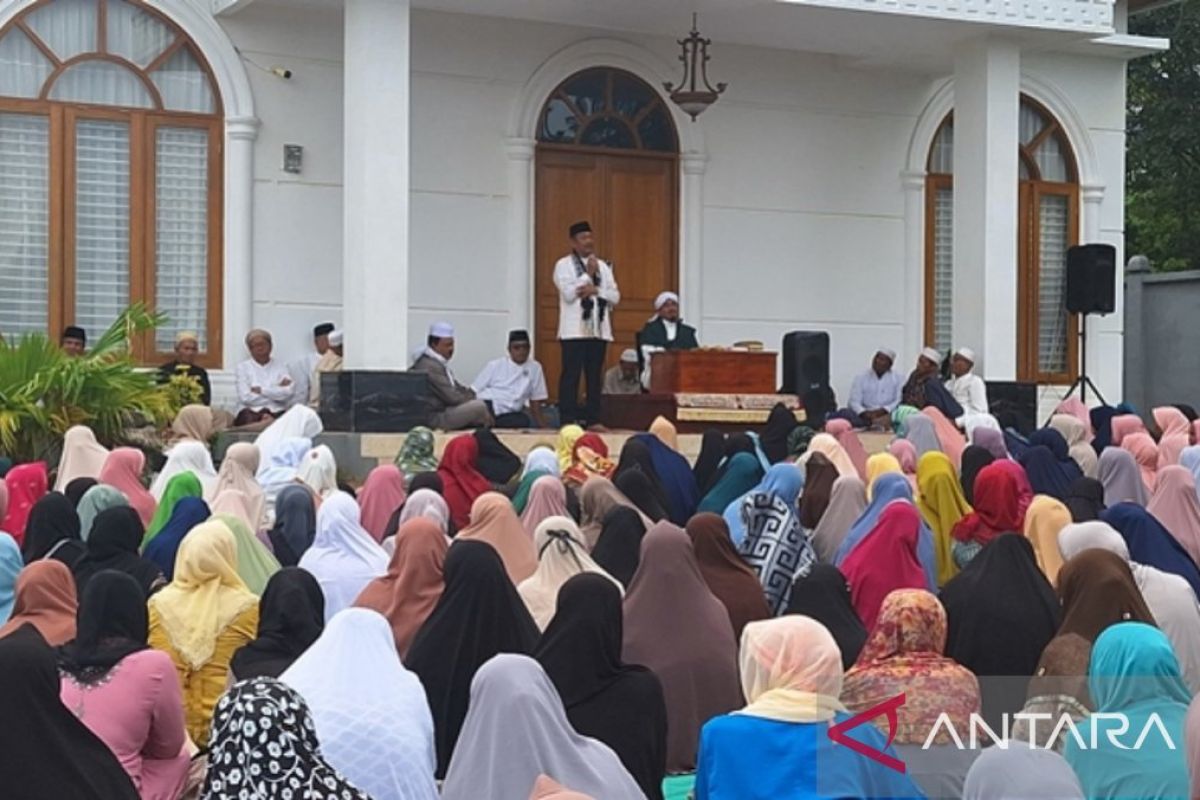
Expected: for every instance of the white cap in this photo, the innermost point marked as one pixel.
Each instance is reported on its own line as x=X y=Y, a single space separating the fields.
x=629 y=356
x=665 y=298
x=932 y=354
x=335 y=339
x=442 y=330
x=967 y=353
x=891 y=354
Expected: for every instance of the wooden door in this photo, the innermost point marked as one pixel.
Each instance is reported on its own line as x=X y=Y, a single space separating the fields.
x=631 y=202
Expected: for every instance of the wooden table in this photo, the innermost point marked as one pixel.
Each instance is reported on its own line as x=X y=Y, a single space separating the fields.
x=712 y=372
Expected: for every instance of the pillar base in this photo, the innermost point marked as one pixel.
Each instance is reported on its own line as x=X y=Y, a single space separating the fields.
x=363 y=401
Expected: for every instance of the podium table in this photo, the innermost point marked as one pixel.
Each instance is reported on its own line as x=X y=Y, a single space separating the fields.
x=712 y=372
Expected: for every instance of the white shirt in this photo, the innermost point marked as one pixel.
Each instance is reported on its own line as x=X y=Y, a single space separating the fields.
x=672 y=329
x=970 y=392
x=870 y=391
x=571 y=324
x=268 y=377
x=302 y=376
x=511 y=386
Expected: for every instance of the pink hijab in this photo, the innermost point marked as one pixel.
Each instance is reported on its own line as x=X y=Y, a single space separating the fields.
x=1145 y=453
x=1079 y=410
x=953 y=443
x=547 y=498
x=379 y=498
x=841 y=430
x=1176 y=434
x=122 y=470
x=494 y=521
x=1174 y=504
x=906 y=453
x=1124 y=424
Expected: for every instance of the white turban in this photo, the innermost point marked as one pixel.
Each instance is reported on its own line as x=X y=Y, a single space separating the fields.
x=335 y=339
x=967 y=353
x=665 y=298
x=629 y=356
x=891 y=354
x=932 y=354
x=441 y=330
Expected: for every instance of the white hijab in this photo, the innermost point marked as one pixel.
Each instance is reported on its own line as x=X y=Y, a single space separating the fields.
x=421 y=503
x=542 y=459
x=372 y=718
x=280 y=472
x=82 y=457
x=1018 y=772
x=343 y=557
x=562 y=554
x=318 y=471
x=299 y=422
x=516 y=729
x=186 y=456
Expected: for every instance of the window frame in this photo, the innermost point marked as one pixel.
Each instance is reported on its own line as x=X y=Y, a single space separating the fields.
x=577 y=146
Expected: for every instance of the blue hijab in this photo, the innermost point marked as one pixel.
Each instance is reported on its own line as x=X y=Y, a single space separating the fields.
x=784 y=481
x=11 y=565
x=675 y=475
x=1049 y=474
x=741 y=475
x=887 y=488
x=189 y=512
x=1133 y=671
x=1017 y=444
x=1150 y=543
x=1101 y=417
x=1189 y=459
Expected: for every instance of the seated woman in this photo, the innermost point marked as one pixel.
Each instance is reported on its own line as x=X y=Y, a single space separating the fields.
x=126 y=693
x=291 y=615
x=1057 y=688
x=792 y=676
x=45 y=599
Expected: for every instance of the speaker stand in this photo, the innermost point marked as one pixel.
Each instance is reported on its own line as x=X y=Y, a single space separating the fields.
x=1083 y=382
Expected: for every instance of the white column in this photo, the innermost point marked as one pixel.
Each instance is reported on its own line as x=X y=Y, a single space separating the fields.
x=987 y=80
x=1093 y=198
x=376 y=184
x=238 y=286
x=914 y=267
x=520 y=153
x=691 y=239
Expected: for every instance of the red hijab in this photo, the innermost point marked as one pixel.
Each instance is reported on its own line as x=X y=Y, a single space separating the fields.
x=27 y=483
x=462 y=482
x=998 y=505
x=885 y=560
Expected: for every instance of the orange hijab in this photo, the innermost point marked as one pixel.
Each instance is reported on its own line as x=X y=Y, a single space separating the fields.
x=45 y=598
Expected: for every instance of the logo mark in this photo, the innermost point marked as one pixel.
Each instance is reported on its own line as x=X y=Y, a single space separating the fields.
x=837 y=733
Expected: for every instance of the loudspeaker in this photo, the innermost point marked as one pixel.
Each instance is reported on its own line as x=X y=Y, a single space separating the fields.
x=1092 y=279
x=805 y=362
x=1014 y=404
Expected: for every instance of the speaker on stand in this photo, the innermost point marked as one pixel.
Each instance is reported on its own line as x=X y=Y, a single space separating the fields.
x=1091 y=289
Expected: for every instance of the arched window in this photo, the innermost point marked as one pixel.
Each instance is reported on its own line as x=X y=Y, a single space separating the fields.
x=1047 y=224
x=607 y=107
x=110 y=173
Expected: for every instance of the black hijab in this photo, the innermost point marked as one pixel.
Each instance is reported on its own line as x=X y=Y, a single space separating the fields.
x=478 y=616
x=49 y=753
x=291 y=615
x=1085 y=499
x=295 y=525
x=780 y=424
x=495 y=462
x=1001 y=612
x=116 y=535
x=53 y=531
x=712 y=451
x=636 y=485
x=974 y=459
x=619 y=547
x=1101 y=417
x=620 y=704
x=76 y=489
x=111 y=623
x=824 y=595
x=636 y=456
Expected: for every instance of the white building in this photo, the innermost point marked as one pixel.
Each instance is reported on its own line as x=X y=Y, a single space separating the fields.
x=448 y=143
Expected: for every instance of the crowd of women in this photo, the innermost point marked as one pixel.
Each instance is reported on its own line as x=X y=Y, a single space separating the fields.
x=581 y=623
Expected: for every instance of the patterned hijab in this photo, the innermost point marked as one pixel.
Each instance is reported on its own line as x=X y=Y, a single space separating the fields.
x=416 y=454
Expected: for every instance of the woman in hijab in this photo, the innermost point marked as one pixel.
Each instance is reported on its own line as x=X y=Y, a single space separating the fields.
x=162 y=551
x=991 y=440
x=279 y=472
x=1126 y=424
x=997 y=511
x=1001 y=613
x=618 y=549
x=1133 y=672
x=820 y=475
x=906 y=453
x=343 y=557
x=478 y=615
x=255 y=564
x=783 y=482
x=826 y=445
x=539 y=462
x=847 y=502
x=728 y=577
x=1150 y=543
x=298 y=422
x=182 y=486
x=1101 y=419
x=598 y=497
x=589 y=459
x=1175 y=505
x=51 y=753
x=1044 y=520
x=113 y=546
x=564 y=447
x=774 y=546
x=1075 y=434
x=123 y=471
x=950 y=439
x=318 y=471
x=136 y=710
x=291 y=615
x=890 y=488
x=295 y=525
x=10 y=567
x=942 y=505
x=462 y=481
x=791 y=676
x=1118 y=472
x=495 y=461
x=674 y=475
x=712 y=453
x=82 y=457
x=841 y=430
x=885 y=561
x=237 y=471
x=186 y=456
x=194 y=422
x=240 y=767
x=96 y=499
x=1020 y=772
x=1047 y=474
x=824 y=595
x=75 y=490
x=1145 y=453
x=45 y=599
x=1085 y=499
x=1097 y=590
x=638 y=487
x=547 y=499
x=381 y=495
x=410 y=590
x=741 y=474
x=1058 y=688
x=370 y=712
x=636 y=456
x=424 y=503
x=975 y=458
x=516 y=730
x=921 y=433
x=697 y=662
x=780 y=423
x=1176 y=434
x=53 y=532
x=26 y=484
x=884 y=463
x=493 y=521
x=561 y=556
x=201 y=619
x=416 y=454
x=616 y=703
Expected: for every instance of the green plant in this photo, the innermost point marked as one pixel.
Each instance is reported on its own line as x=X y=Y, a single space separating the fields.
x=43 y=392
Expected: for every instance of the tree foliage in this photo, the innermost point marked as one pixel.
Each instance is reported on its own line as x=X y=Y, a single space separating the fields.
x=1163 y=154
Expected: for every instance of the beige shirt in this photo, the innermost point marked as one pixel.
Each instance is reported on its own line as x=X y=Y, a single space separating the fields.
x=616 y=383
x=330 y=362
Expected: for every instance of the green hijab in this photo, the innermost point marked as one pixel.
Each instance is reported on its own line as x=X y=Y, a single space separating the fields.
x=185 y=484
x=741 y=475
x=524 y=488
x=798 y=440
x=255 y=564
x=100 y=497
x=416 y=455
x=902 y=413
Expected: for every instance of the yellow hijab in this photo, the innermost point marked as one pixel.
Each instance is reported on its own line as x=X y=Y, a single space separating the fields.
x=881 y=464
x=942 y=503
x=206 y=594
x=1044 y=520
x=565 y=448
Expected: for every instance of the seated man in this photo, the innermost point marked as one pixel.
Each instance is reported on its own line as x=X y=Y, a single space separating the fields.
x=264 y=385
x=623 y=378
x=187 y=347
x=513 y=384
x=303 y=368
x=455 y=405
x=73 y=341
x=924 y=387
x=330 y=361
x=666 y=330
x=966 y=387
x=875 y=393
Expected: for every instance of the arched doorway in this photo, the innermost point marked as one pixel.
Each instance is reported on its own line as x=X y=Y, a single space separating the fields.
x=607 y=152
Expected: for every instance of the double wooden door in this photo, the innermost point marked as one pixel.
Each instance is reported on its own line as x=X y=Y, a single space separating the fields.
x=631 y=202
